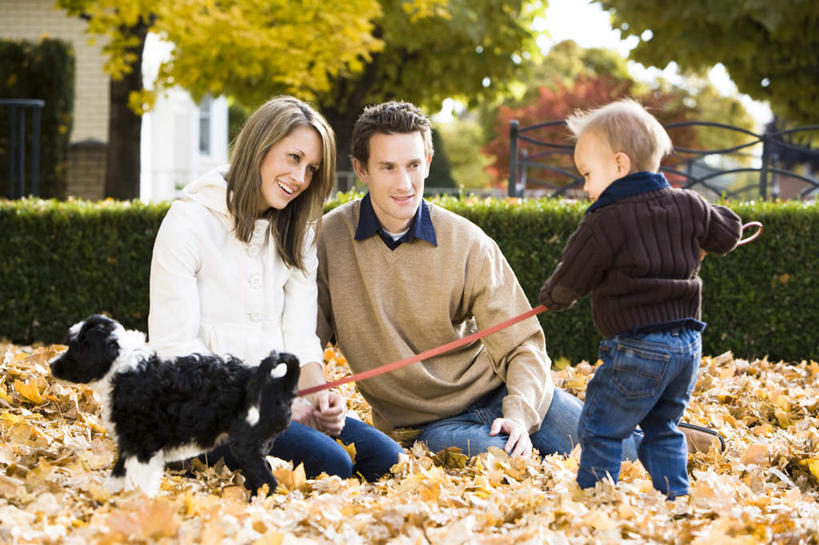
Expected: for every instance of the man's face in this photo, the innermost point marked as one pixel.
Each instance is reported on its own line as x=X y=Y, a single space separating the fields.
x=395 y=176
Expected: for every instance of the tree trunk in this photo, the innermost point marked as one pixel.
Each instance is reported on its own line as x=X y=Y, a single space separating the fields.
x=342 y=123
x=341 y=108
x=125 y=127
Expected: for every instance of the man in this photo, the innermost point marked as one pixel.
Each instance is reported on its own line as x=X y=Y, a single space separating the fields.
x=398 y=276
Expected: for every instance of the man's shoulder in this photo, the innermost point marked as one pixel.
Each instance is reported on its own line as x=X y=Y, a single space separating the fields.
x=447 y=221
x=343 y=210
x=346 y=213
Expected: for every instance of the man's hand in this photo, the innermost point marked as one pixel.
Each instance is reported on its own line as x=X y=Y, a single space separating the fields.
x=519 y=442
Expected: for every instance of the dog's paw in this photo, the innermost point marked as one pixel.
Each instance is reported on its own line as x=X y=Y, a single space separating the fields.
x=114 y=485
x=265 y=488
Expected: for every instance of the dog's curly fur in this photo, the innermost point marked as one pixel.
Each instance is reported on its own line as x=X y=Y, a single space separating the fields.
x=160 y=411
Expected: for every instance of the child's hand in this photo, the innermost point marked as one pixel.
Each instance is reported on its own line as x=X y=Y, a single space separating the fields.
x=703 y=253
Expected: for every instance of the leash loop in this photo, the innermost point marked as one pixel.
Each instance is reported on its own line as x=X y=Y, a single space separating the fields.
x=754 y=236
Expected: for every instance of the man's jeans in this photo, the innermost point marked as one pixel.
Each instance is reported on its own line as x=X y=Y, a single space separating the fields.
x=645 y=380
x=375 y=452
x=470 y=430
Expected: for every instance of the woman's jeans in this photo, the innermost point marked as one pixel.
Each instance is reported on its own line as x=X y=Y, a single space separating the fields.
x=469 y=430
x=645 y=380
x=376 y=453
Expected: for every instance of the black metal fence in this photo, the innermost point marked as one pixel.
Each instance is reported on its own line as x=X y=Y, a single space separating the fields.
x=16 y=108
x=777 y=164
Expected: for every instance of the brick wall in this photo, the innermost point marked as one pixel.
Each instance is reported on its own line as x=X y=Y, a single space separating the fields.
x=86 y=170
x=33 y=19
x=30 y=20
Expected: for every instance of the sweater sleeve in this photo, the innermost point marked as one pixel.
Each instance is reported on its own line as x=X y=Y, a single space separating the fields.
x=723 y=229
x=173 y=318
x=518 y=352
x=300 y=302
x=578 y=272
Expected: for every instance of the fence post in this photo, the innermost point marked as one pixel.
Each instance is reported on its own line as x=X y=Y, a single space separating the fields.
x=763 y=171
x=513 y=158
x=12 y=146
x=35 y=151
x=17 y=145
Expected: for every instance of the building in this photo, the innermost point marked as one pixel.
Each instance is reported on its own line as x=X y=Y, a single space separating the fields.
x=180 y=139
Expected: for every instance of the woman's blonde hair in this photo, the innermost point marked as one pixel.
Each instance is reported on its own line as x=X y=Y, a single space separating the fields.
x=272 y=122
x=630 y=129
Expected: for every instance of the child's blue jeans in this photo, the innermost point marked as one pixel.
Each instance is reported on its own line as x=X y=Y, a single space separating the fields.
x=645 y=380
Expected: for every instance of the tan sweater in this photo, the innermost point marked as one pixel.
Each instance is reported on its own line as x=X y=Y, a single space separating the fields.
x=385 y=305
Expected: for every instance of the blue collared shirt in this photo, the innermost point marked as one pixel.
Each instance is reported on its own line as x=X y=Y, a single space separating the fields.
x=421 y=226
x=628 y=186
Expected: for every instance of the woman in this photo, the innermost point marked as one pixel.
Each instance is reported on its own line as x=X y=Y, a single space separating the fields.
x=234 y=271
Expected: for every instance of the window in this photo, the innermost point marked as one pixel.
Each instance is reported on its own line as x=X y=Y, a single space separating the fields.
x=204 y=124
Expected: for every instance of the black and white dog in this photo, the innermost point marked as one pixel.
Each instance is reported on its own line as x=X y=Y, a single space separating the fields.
x=159 y=411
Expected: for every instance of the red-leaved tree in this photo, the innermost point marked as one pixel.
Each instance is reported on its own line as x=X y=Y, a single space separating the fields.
x=557 y=102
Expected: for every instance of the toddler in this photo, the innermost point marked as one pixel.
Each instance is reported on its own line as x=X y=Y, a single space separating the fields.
x=638 y=251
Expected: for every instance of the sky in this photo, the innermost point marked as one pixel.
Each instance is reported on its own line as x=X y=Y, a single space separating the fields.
x=585 y=22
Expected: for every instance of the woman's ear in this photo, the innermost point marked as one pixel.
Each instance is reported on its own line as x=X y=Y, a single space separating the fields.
x=623 y=162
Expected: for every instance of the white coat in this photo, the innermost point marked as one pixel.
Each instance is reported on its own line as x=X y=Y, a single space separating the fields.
x=212 y=293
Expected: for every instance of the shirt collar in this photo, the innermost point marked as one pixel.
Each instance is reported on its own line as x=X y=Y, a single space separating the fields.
x=421 y=226
x=628 y=186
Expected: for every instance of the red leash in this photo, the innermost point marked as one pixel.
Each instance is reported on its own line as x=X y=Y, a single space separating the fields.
x=424 y=355
x=464 y=340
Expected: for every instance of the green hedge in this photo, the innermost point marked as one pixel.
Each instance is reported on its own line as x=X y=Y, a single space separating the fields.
x=43 y=70
x=64 y=260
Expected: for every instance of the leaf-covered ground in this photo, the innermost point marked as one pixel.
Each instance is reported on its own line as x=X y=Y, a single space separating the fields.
x=55 y=455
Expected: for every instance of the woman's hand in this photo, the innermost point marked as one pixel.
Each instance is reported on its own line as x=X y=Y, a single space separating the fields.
x=324 y=410
x=302 y=412
x=329 y=410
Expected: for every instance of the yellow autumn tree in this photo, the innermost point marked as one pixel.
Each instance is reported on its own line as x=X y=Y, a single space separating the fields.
x=247 y=48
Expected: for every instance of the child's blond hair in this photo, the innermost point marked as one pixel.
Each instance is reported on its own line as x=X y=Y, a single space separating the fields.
x=629 y=129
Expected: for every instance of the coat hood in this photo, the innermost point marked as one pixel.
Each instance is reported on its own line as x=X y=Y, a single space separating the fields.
x=210 y=190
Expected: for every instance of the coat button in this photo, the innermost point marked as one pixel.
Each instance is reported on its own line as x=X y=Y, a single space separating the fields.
x=252 y=251
x=256 y=281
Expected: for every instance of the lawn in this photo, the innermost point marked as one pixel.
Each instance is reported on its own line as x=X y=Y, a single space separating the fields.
x=55 y=455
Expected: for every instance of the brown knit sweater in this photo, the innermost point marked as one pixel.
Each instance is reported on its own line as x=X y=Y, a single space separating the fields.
x=385 y=305
x=639 y=257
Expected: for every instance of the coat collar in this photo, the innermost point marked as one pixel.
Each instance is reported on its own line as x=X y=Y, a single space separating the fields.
x=628 y=186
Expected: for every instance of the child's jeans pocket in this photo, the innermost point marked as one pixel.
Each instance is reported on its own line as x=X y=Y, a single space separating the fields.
x=639 y=368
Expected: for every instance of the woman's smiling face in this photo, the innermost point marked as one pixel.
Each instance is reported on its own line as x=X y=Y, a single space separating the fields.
x=288 y=167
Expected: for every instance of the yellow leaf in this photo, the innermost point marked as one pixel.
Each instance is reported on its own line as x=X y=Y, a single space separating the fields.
x=599 y=520
x=755 y=454
x=11 y=419
x=290 y=479
x=271 y=537
x=351 y=450
x=813 y=466
x=29 y=391
x=4 y=394
x=561 y=363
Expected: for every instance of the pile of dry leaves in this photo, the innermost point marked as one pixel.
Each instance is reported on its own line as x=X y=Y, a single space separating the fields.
x=55 y=455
